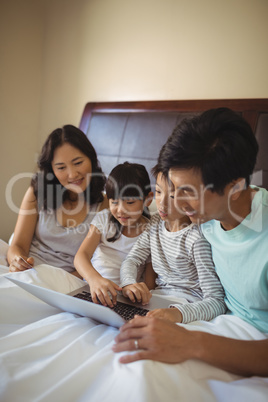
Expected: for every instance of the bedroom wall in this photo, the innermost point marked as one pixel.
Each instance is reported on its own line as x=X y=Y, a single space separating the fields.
x=152 y=49
x=21 y=52
x=60 y=54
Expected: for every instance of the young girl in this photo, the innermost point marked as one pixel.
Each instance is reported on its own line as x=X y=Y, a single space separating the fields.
x=113 y=233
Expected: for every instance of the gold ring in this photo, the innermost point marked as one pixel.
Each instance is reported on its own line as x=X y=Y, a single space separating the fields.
x=136 y=343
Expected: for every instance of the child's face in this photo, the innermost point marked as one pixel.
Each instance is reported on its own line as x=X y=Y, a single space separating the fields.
x=127 y=211
x=164 y=198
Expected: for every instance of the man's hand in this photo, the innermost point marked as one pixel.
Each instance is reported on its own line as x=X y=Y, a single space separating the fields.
x=158 y=340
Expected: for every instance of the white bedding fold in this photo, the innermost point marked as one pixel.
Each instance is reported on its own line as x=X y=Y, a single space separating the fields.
x=48 y=355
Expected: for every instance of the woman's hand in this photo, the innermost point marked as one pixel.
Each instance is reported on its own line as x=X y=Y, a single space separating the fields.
x=21 y=263
x=137 y=292
x=170 y=314
x=103 y=291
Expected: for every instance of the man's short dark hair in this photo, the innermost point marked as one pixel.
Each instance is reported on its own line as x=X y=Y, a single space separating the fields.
x=219 y=143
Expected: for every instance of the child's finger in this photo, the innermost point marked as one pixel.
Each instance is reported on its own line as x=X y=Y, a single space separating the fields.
x=105 y=297
x=94 y=297
x=109 y=301
x=130 y=295
x=146 y=294
x=138 y=294
x=145 y=297
x=98 y=298
x=112 y=293
x=114 y=299
x=30 y=261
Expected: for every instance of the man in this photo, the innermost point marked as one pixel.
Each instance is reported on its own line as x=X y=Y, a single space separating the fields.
x=209 y=160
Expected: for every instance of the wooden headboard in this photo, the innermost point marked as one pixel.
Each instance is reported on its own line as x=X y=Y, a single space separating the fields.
x=136 y=131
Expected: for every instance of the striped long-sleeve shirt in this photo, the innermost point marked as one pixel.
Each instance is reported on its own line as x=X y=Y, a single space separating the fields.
x=182 y=261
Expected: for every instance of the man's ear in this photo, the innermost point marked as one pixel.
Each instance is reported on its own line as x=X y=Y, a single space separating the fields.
x=238 y=186
x=148 y=199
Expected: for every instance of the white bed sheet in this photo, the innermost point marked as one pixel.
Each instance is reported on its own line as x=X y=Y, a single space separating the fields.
x=50 y=355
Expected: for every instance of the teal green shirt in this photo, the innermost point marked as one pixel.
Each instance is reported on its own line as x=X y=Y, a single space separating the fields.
x=241 y=262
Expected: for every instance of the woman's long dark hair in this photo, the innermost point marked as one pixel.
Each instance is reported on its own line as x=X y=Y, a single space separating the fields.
x=50 y=194
x=127 y=180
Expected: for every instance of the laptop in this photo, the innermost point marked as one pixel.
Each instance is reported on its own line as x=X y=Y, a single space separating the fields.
x=79 y=302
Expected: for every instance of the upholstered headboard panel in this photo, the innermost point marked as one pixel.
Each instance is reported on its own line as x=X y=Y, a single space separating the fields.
x=136 y=131
x=261 y=169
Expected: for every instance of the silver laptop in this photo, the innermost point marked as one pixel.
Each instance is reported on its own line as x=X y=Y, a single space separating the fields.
x=79 y=302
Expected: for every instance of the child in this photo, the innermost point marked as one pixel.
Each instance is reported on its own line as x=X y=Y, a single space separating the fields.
x=112 y=233
x=181 y=257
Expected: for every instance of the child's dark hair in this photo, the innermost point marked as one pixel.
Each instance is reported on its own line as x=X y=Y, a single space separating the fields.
x=159 y=168
x=127 y=180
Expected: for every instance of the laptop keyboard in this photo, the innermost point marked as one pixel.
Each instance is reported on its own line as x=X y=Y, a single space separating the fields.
x=125 y=310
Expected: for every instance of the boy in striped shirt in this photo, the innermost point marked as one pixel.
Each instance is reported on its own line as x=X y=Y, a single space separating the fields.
x=181 y=260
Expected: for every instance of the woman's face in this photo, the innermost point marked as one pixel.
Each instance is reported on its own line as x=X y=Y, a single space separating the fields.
x=72 y=168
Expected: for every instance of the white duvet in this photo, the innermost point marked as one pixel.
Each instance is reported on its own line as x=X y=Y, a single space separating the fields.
x=50 y=355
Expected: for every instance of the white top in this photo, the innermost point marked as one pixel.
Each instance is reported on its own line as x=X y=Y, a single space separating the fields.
x=108 y=256
x=182 y=261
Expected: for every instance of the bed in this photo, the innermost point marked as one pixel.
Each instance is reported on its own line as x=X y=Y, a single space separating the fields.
x=50 y=355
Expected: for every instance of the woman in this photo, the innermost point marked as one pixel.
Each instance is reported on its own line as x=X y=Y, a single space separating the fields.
x=60 y=203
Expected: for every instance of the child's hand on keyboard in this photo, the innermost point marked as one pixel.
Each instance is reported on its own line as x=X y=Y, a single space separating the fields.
x=137 y=292
x=103 y=291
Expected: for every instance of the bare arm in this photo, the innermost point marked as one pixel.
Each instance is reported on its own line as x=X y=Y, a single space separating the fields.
x=136 y=257
x=99 y=286
x=167 y=342
x=137 y=291
x=23 y=233
x=245 y=358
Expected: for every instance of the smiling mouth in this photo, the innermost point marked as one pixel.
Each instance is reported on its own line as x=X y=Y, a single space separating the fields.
x=123 y=218
x=163 y=214
x=190 y=213
x=76 y=182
